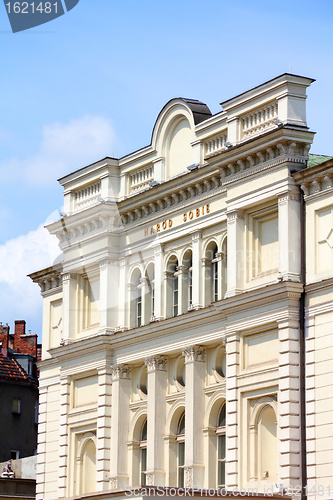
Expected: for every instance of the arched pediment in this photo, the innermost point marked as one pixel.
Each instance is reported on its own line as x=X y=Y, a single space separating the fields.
x=174 y=131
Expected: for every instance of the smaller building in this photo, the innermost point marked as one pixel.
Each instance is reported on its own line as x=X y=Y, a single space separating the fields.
x=18 y=392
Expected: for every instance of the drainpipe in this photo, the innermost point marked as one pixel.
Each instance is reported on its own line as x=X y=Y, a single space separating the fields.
x=302 y=351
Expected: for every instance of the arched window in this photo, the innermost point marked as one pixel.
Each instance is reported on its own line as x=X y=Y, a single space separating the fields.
x=181 y=452
x=221 y=446
x=215 y=275
x=212 y=273
x=143 y=453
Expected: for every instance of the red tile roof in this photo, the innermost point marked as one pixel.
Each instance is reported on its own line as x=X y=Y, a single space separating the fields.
x=10 y=369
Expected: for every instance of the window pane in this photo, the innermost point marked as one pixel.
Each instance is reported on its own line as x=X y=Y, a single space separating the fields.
x=181 y=454
x=221 y=447
x=144 y=432
x=181 y=425
x=221 y=420
x=221 y=473
x=181 y=462
x=143 y=465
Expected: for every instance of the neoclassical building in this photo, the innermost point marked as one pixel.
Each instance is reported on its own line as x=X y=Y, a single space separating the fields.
x=188 y=332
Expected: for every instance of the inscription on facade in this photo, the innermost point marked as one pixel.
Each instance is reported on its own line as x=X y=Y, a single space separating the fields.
x=187 y=217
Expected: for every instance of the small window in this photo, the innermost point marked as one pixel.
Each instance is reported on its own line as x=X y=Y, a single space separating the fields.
x=181 y=451
x=143 y=453
x=14 y=454
x=16 y=406
x=36 y=412
x=221 y=447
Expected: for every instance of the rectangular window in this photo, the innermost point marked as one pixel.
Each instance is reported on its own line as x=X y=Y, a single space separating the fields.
x=139 y=307
x=181 y=463
x=190 y=288
x=14 y=454
x=175 y=295
x=221 y=460
x=143 y=465
x=16 y=406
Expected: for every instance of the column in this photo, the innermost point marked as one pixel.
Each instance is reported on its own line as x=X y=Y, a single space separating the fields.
x=195 y=369
x=289 y=236
x=121 y=391
x=236 y=253
x=70 y=310
x=158 y=282
x=310 y=404
x=41 y=440
x=63 y=435
x=232 y=442
x=157 y=387
x=289 y=403
x=103 y=429
x=197 y=298
x=108 y=299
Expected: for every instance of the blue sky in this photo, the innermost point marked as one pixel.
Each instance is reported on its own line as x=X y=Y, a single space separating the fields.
x=92 y=82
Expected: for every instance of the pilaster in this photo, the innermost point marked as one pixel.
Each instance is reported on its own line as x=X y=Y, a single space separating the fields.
x=232 y=410
x=41 y=446
x=63 y=435
x=122 y=293
x=310 y=403
x=121 y=391
x=289 y=236
x=236 y=254
x=103 y=429
x=289 y=403
x=69 y=290
x=195 y=357
x=157 y=387
x=108 y=302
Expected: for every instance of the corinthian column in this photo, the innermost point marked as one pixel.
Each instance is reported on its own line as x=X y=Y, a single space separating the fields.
x=157 y=386
x=195 y=366
x=121 y=390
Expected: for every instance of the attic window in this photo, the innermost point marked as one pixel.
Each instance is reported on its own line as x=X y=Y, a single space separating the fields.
x=16 y=406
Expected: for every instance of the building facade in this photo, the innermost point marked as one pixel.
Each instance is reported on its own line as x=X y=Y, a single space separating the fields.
x=187 y=334
x=18 y=392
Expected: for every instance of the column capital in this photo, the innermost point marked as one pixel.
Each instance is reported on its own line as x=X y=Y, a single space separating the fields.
x=156 y=363
x=288 y=196
x=196 y=235
x=68 y=276
x=194 y=353
x=234 y=215
x=121 y=371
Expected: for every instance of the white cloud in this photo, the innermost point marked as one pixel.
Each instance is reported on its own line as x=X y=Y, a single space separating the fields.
x=19 y=296
x=65 y=148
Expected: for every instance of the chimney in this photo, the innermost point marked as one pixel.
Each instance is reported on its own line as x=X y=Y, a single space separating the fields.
x=4 y=339
x=20 y=327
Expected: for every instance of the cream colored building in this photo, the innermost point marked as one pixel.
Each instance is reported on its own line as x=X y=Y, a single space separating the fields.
x=182 y=343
